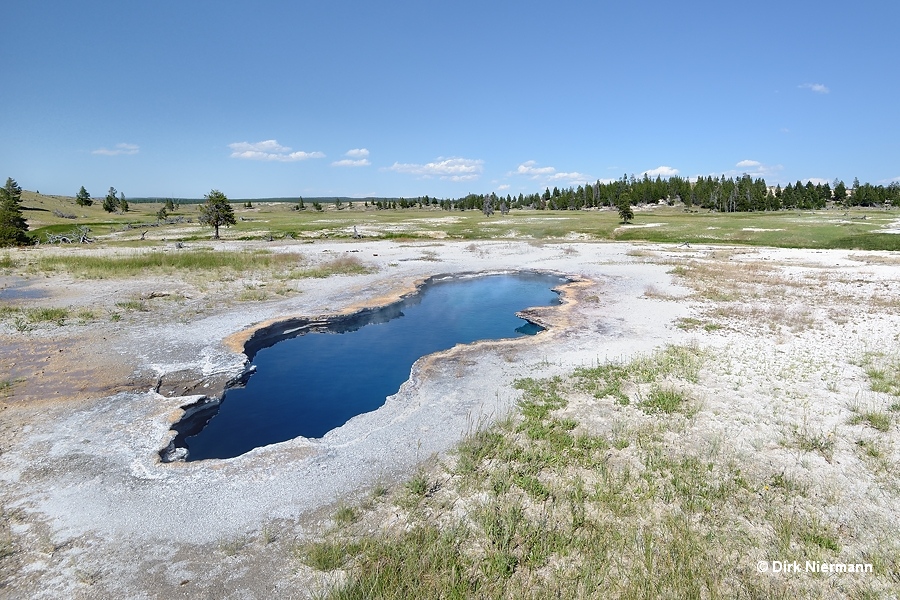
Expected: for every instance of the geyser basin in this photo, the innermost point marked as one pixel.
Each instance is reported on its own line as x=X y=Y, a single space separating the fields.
x=310 y=380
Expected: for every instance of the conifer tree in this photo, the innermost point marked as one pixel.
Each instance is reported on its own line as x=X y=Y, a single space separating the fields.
x=216 y=211
x=111 y=202
x=13 y=228
x=82 y=198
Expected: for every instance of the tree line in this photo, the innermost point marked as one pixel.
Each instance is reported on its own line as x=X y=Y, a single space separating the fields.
x=722 y=194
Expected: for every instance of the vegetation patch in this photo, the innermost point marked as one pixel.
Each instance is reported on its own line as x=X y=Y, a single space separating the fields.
x=56 y=315
x=345 y=265
x=7 y=386
x=137 y=264
x=608 y=380
x=538 y=506
x=663 y=400
x=877 y=420
x=883 y=371
x=809 y=439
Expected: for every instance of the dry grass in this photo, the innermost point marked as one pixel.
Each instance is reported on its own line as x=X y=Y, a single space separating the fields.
x=876 y=259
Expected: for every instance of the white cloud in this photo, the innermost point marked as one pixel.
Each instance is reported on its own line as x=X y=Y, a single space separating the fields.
x=662 y=171
x=528 y=168
x=357 y=159
x=119 y=149
x=572 y=177
x=754 y=168
x=503 y=187
x=349 y=162
x=453 y=169
x=548 y=174
x=815 y=87
x=817 y=180
x=269 y=150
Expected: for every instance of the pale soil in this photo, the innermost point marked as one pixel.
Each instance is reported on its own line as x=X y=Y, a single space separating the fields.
x=92 y=513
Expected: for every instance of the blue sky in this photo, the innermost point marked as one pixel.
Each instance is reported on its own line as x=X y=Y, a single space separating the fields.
x=352 y=98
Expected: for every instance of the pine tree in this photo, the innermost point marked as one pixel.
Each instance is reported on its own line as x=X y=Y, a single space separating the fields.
x=13 y=227
x=216 y=211
x=111 y=202
x=82 y=198
x=624 y=205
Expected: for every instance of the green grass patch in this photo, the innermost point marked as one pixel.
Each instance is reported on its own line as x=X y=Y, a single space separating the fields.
x=346 y=515
x=418 y=485
x=883 y=371
x=878 y=420
x=134 y=304
x=282 y=265
x=426 y=562
x=6 y=387
x=608 y=380
x=794 y=229
x=663 y=400
x=56 y=315
x=327 y=555
x=137 y=264
x=536 y=508
x=809 y=440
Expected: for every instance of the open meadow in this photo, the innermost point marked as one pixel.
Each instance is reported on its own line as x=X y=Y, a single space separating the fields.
x=716 y=400
x=838 y=228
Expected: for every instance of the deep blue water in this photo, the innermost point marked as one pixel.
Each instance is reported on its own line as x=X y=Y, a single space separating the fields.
x=310 y=384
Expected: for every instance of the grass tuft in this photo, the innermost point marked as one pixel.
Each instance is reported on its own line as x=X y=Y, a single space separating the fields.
x=883 y=372
x=610 y=379
x=327 y=555
x=56 y=315
x=878 y=420
x=346 y=515
x=663 y=400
